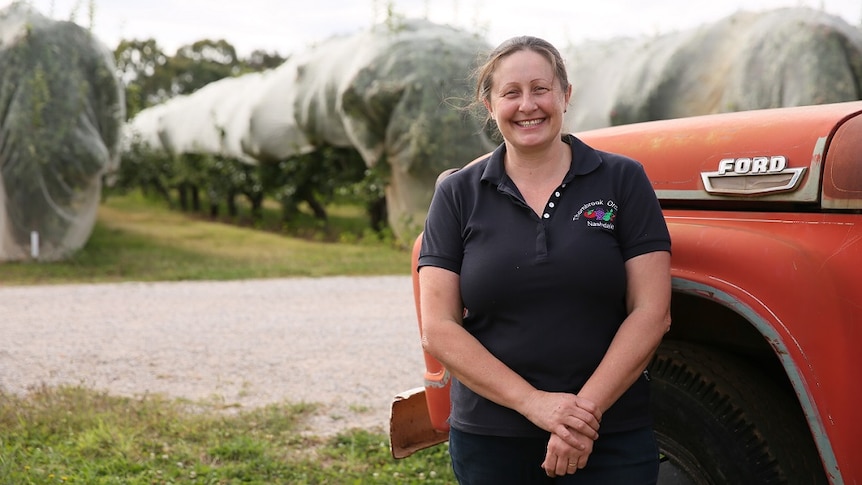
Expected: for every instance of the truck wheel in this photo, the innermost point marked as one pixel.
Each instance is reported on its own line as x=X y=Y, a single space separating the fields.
x=719 y=420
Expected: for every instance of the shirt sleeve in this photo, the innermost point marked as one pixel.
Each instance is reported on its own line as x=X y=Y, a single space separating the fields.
x=642 y=227
x=442 y=241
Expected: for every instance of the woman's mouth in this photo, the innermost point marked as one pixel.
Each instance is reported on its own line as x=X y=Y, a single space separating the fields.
x=530 y=123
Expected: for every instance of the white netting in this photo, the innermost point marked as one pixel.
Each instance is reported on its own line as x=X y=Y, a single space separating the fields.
x=61 y=109
x=388 y=93
x=770 y=59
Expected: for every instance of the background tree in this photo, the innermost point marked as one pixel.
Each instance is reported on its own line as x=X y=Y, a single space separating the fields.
x=146 y=72
x=205 y=61
x=261 y=60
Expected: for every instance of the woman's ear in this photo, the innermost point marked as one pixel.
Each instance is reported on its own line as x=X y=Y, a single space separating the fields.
x=488 y=107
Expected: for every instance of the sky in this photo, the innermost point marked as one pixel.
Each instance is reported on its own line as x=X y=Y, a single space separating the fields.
x=287 y=26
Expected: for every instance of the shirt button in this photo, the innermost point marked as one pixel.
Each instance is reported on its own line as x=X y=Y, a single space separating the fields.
x=547 y=215
x=557 y=194
x=551 y=205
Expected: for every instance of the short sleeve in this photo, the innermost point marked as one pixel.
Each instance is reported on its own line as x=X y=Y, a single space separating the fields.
x=642 y=227
x=442 y=242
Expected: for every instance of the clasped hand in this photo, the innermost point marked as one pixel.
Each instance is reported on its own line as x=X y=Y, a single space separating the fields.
x=573 y=423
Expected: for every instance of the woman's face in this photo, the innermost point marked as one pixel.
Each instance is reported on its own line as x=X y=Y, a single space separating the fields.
x=526 y=100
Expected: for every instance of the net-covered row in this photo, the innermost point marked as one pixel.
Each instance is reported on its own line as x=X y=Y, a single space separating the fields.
x=750 y=60
x=61 y=112
x=394 y=93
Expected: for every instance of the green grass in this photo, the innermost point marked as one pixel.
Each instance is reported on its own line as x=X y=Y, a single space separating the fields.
x=136 y=238
x=76 y=435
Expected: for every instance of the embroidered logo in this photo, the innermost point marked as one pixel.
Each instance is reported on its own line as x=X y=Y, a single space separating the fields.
x=598 y=213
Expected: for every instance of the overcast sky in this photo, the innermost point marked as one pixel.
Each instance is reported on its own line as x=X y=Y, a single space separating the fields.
x=286 y=26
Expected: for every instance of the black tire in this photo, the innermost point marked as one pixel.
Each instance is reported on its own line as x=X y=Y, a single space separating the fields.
x=719 y=421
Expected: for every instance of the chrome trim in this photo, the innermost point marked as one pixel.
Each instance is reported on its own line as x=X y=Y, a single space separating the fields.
x=755 y=183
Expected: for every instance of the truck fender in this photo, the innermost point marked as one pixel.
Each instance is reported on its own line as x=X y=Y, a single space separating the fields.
x=708 y=262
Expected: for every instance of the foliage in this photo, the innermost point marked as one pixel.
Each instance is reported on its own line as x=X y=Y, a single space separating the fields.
x=205 y=61
x=76 y=435
x=261 y=60
x=142 y=67
x=316 y=179
x=142 y=168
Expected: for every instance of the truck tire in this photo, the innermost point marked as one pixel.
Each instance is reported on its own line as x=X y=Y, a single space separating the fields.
x=720 y=421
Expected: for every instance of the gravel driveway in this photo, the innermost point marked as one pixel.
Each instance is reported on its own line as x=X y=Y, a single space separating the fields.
x=348 y=343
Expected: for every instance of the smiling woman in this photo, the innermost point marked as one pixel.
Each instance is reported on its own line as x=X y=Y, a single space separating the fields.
x=545 y=319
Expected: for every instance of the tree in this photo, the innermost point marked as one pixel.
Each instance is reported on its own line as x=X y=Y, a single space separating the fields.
x=260 y=60
x=146 y=72
x=203 y=62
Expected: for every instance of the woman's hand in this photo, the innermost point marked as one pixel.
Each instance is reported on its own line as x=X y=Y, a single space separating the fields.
x=562 y=459
x=575 y=420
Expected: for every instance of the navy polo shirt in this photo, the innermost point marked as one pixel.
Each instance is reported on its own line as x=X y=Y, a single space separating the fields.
x=544 y=294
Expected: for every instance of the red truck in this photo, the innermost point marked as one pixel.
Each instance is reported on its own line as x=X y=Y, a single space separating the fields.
x=758 y=380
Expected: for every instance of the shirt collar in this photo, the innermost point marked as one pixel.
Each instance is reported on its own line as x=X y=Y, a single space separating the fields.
x=584 y=160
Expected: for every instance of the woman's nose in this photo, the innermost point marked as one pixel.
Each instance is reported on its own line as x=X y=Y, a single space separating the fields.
x=527 y=103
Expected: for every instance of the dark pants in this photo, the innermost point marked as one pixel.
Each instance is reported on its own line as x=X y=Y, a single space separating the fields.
x=628 y=458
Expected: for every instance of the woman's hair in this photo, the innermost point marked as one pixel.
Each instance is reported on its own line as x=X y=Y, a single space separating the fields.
x=485 y=72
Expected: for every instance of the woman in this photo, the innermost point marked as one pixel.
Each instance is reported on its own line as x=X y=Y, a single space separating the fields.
x=545 y=290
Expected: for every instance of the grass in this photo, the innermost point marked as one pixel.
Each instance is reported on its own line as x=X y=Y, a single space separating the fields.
x=136 y=238
x=74 y=435
x=77 y=435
